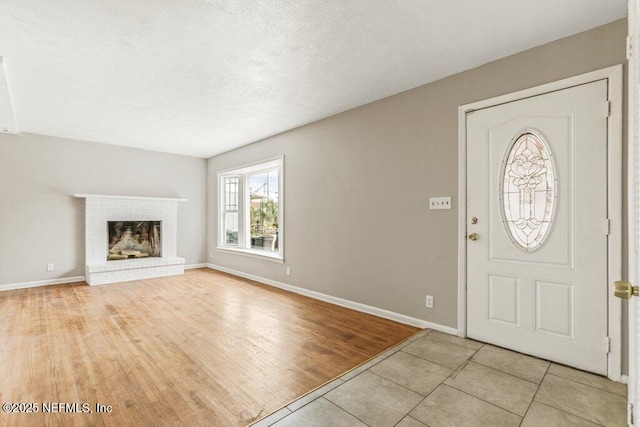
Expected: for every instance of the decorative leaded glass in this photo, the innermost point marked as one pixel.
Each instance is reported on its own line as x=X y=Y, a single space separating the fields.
x=528 y=191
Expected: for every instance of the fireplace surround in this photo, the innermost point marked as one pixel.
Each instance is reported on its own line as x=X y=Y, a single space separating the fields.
x=137 y=260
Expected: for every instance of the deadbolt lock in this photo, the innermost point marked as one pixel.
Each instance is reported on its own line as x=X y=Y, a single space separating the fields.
x=473 y=236
x=624 y=289
x=474 y=220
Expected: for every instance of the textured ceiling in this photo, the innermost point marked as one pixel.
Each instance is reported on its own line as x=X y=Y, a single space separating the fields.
x=200 y=77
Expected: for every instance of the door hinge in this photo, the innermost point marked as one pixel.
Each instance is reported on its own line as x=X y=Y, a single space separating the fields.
x=607 y=344
x=630 y=414
x=607 y=109
x=629 y=47
x=607 y=226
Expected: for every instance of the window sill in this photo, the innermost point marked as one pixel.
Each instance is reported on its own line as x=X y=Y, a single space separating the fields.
x=253 y=254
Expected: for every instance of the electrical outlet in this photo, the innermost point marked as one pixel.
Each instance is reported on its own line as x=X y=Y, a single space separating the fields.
x=50 y=267
x=439 y=202
x=429 y=301
x=210 y=255
x=288 y=271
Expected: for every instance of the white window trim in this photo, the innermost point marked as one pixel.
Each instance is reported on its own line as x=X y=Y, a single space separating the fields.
x=251 y=253
x=243 y=200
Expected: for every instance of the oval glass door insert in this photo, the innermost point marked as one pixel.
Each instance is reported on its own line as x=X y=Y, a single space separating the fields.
x=528 y=191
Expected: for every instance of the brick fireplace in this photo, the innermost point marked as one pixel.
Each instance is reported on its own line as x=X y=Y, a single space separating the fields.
x=105 y=265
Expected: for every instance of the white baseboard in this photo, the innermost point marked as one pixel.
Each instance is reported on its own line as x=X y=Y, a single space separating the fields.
x=63 y=280
x=190 y=266
x=400 y=318
x=624 y=379
x=37 y=283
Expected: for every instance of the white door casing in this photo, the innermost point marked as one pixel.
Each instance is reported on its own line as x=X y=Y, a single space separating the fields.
x=633 y=189
x=539 y=301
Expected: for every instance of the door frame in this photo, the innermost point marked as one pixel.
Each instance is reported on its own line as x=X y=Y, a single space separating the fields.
x=613 y=75
x=633 y=198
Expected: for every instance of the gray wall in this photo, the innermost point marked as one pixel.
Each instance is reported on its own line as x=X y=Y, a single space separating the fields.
x=357 y=223
x=41 y=222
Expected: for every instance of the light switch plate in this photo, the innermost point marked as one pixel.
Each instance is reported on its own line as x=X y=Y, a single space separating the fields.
x=439 y=202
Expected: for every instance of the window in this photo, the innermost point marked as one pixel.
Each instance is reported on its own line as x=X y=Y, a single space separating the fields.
x=528 y=191
x=250 y=209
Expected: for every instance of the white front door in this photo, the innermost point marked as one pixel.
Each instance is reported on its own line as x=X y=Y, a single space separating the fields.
x=537 y=203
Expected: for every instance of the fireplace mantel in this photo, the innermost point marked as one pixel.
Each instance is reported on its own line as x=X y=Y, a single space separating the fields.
x=99 y=209
x=110 y=196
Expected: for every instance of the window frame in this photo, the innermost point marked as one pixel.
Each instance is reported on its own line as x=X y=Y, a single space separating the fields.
x=224 y=206
x=243 y=247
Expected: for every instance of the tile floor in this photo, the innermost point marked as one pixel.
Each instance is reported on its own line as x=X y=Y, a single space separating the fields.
x=437 y=379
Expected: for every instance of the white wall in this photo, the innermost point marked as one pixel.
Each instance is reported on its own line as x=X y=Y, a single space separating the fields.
x=41 y=222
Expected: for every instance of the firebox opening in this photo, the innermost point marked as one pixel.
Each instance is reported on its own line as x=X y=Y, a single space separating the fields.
x=134 y=239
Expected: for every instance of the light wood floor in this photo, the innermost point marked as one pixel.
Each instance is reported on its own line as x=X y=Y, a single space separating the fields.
x=205 y=348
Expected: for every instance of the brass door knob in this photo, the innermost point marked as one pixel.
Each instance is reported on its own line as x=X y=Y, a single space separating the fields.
x=624 y=289
x=473 y=236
